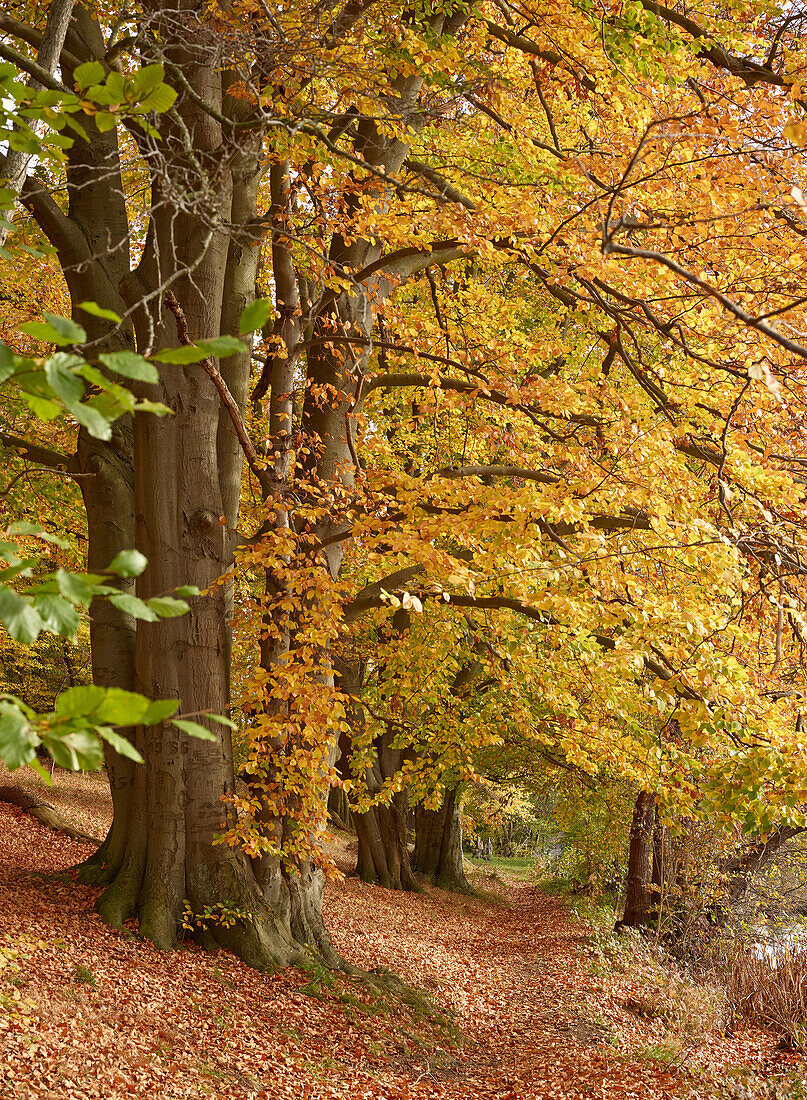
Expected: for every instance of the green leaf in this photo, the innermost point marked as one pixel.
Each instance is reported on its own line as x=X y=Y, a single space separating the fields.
x=148 y=78
x=62 y=753
x=75 y=587
x=112 y=391
x=120 y=744
x=95 y=422
x=92 y=72
x=256 y=315
x=223 y=346
x=43 y=773
x=20 y=567
x=189 y=353
x=58 y=615
x=23 y=527
x=63 y=382
x=116 y=84
x=67 y=329
x=41 y=330
x=128 y=563
x=167 y=607
x=222 y=720
x=193 y=729
x=16 y=746
x=42 y=408
x=19 y=616
x=79 y=751
x=155 y=407
x=8 y=362
x=79 y=702
x=161 y=99
x=106 y=121
x=134 y=606
x=121 y=708
x=187 y=590
x=99 y=311
x=130 y=365
x=159 y=710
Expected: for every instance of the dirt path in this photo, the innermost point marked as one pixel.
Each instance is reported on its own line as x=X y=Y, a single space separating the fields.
x=92 y=1013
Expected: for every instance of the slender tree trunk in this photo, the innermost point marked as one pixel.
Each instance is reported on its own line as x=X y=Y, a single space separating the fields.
x=383 y=852
x=662 y=875
x=339 y=811
x=638 y=893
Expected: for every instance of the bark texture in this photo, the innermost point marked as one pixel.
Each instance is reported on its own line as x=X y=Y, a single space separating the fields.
x=638 y=882
x=438 y=845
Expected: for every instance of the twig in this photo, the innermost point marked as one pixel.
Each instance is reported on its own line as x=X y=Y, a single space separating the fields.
x=227 y=399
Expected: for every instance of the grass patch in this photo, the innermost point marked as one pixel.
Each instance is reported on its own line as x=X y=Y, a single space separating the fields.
x=599 y=910
x=745 y=1084
x=519 y=867
x=83 y=975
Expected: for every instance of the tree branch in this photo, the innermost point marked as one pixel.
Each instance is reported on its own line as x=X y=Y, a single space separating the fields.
x=42 y=456
x=793 y=346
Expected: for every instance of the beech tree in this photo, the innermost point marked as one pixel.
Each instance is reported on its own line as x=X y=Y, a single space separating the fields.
x=516 y=359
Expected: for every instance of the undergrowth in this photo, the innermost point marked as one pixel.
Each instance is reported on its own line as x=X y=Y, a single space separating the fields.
x=768 y=989
x=744 y=1084
x=687 y=1011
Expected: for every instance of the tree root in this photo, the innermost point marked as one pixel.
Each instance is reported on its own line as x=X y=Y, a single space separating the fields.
x=45 y=813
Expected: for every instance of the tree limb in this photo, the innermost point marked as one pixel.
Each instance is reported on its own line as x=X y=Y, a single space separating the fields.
x=42 y=456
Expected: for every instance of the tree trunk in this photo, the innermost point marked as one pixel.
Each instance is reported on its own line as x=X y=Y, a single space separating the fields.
x=638 y=893
x=339 y=811
x=381 y=830
x=438 y=845
x=662 y=875
x=186 y=478
x=201 y=238
x=383 y=850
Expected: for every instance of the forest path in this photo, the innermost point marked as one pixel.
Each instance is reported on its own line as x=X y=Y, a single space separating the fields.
x=535 y=1020
x=92 y=1013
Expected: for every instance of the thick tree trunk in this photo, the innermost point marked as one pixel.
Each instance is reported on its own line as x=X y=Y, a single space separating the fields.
x=438 y=845
x=638 y=892
x=160 y=852
x=383 y=852
x=186 y=477
x=93 y=243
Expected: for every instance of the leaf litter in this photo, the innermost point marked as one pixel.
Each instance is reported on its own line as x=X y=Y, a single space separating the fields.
x=514 y=1008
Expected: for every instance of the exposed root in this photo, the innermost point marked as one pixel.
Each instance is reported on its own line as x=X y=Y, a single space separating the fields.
x=45 y=813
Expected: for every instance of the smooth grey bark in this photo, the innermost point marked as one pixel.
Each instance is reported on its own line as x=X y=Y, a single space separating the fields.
x=50 y=48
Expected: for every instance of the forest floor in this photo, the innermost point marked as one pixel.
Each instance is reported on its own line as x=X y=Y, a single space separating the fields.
x=526 y=1010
